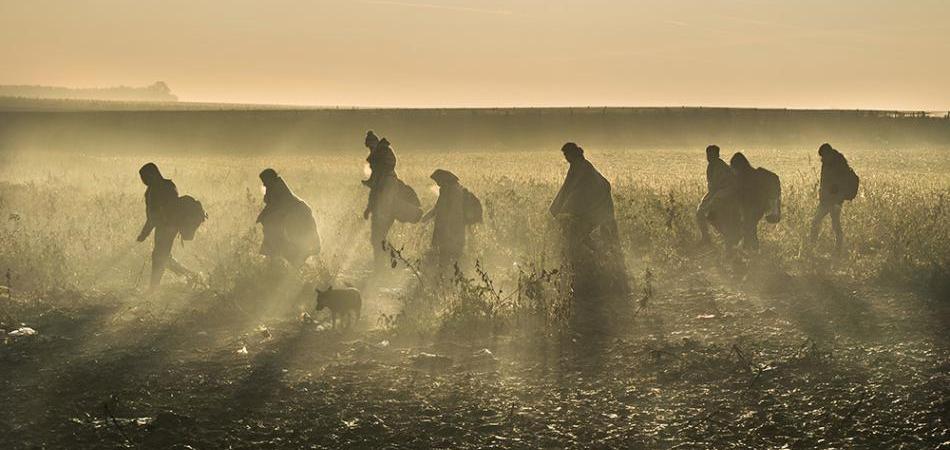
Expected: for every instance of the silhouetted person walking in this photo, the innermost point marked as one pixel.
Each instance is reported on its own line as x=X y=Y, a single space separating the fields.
x=582 y=206
x=290 y=232
x=720 y=184
x=759 y=193
x=379 y=207
x=381 y=159
x=163 y=214
x=389 y=198
x=838 y=183
x=452 y=212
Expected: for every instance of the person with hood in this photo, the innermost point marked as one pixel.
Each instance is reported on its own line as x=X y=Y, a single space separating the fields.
x=759 y=194
x=582 y=206
x=448 y=237
x=381 y=159
x=584 y=196
x=384 y=193
x=162 y=216
x=720 y=183
x=838 y=183
x=290 y=232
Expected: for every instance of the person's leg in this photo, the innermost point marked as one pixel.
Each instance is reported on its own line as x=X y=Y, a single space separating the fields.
x=161 y=253
x=820 y=214
x=750 y=225
x=379 y=232
x=836 y=227
x=701 y=212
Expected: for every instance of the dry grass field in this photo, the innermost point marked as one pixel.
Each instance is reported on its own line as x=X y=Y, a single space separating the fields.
x=786 y=347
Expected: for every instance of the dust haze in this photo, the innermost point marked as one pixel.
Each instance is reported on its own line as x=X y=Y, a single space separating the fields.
x=456 y=224
x=513 y=346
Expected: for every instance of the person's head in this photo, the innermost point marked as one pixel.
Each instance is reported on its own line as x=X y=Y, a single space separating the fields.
x=444 y=177
x=572 y=152
x=150 y=174
x=825 y=150
x=371 y=140
x=268 y=176
x=739 y=163
x=712 y=153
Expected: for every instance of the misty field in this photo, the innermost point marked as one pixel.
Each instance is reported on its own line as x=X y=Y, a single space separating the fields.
x=784 y=347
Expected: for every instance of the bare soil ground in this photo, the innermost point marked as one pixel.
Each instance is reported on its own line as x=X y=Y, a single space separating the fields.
x=796 y=362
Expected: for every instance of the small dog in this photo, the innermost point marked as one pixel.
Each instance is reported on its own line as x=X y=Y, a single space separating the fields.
x=345 y=303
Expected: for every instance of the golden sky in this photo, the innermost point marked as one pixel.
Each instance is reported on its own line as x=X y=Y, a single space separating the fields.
x=801 y=54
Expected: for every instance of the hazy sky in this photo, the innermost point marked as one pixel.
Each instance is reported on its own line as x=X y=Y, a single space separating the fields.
x=828 y=53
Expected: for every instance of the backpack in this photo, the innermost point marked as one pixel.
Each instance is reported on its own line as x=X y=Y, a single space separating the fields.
x=407 y=207
x=851 y=182
x=190 y=216
x=471 y=207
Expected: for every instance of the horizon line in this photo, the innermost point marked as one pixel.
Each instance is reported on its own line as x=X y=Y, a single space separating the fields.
x=294 y=106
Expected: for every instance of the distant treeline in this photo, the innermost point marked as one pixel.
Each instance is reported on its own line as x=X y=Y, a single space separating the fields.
x=322 y=130
x=157 y=92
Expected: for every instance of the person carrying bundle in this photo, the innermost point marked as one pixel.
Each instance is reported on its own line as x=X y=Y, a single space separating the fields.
x=390 y=199
x=290 y=231
x=455 y=209
x=759 y=193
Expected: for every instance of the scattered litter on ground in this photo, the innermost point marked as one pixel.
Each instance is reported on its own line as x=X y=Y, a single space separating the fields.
x=23 y=331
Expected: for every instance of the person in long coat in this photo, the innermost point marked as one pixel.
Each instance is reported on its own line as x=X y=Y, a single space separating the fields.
x=290 y=231
x=448 y=236
x=759 y=193
x=583 y=206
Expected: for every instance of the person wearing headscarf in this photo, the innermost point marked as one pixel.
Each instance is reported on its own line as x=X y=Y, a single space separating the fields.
x=582 y=206
x=290 y=231
x=161 y=213
x=759 y=194
x=585 y=194
x=448 y=236
x=720 y=183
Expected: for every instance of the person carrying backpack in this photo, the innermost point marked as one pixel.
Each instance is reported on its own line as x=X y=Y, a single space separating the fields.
x=169 y=216
x=838 y=183
x=456 y=208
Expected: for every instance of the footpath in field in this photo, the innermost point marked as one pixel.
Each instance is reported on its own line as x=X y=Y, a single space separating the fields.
x=814 y=365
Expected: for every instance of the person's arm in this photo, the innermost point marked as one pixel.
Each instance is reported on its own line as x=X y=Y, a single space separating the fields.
x=429 y=215
x=557 y=206
x=263 y=214
x=149 y=222
x=370 y=202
